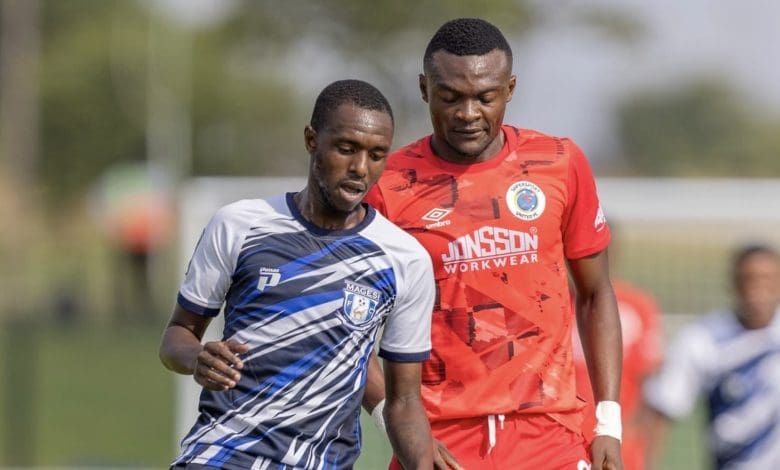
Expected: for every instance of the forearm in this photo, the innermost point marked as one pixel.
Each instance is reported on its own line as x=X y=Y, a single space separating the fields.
x=409 y=432
x=599 y=326
x=179 y=349
x=375 y=384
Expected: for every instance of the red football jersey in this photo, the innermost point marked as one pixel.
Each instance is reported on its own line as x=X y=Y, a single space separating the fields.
x=499 y=233
x=642 y=353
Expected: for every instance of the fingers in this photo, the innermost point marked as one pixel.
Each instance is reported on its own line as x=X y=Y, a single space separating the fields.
x=597 y=457
x=442 y=458
x=605 y=454
x=237 y=348
x=217 y=365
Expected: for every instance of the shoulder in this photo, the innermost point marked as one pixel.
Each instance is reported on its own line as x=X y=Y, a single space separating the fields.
x=396 y=242
x=701 y=338
x=541 y=146
x=247 y=211
x=720 y=326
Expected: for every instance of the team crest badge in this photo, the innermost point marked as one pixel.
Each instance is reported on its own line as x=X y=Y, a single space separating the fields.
x=360 y=302
x=525 y=200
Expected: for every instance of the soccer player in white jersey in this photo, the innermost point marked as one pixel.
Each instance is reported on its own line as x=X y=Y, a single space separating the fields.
x=732 y=359
x=306 y=279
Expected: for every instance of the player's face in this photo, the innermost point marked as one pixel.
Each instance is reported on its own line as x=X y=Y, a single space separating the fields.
x=467 y=97
x=348 y=155
x=758 y=288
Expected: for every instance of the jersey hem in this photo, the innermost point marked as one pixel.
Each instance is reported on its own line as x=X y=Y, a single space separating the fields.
x=404 y=357
x=195 y=308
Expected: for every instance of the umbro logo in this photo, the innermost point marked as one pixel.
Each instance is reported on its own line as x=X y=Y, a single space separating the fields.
x=436 y=215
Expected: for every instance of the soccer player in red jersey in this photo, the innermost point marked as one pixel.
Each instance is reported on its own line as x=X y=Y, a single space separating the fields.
x=642 y=332
x=503 y=212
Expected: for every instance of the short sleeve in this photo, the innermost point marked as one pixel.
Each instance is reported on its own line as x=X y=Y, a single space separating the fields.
x=210 y=269
x=585 y=229
x=675 y=388
x=407 y=333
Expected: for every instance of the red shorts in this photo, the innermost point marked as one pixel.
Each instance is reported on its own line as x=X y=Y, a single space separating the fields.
x=522 y=441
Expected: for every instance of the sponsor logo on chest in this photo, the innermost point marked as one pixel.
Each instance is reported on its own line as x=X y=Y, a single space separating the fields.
x=491 y=248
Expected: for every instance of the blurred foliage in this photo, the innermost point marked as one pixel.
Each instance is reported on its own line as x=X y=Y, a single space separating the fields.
x=245 y=116
x=702 y=129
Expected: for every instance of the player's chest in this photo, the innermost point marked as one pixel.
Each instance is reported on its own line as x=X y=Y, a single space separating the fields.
x=350 y=280
x=486 y=222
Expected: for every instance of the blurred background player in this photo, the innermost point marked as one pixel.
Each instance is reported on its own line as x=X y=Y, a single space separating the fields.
x=642 y=330
x=502 y=211
x=306 y=279
x=732 y=359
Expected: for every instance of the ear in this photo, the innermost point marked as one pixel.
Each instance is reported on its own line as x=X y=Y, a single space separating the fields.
x=512 y=83
x=423 y=86
x=310 y=139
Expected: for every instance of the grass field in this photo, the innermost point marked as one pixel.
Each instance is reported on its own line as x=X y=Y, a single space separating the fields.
x=102 y=399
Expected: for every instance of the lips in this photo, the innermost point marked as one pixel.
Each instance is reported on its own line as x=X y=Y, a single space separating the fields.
x=469 y=132
x=353 y=187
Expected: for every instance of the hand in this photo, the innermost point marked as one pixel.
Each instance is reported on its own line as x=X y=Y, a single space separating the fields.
x=217 y=365
x=605 y=454
x=442 y=458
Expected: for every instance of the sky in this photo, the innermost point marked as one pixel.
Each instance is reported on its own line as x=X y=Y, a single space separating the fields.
x=570 y=78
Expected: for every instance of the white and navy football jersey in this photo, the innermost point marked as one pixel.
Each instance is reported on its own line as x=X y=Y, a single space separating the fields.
x=738 y=372
x=308 y=302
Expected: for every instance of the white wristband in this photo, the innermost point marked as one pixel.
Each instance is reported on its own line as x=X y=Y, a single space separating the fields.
x=378 y=417
x=608 y=421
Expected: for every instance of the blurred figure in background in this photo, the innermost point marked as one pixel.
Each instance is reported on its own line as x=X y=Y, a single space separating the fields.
x=732 y=358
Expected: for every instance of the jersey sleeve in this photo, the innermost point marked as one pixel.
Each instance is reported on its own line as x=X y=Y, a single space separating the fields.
x=585 y=229
x=675 y=388
x=407 y=334
x=210 y=269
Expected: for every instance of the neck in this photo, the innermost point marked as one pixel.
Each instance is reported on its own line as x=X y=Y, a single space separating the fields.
x=317 y=211
x=753 y=319
x=445 y=151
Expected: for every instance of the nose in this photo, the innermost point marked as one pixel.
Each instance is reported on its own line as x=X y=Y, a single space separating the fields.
x=358 y=166
x=468 y=111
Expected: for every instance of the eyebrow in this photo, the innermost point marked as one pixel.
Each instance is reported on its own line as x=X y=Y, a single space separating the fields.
x=344 y=140
x=453 y=90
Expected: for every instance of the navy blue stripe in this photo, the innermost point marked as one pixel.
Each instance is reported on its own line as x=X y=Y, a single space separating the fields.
x=404 y=357
x=195 y=308
x=369 y=217
x=748 y=450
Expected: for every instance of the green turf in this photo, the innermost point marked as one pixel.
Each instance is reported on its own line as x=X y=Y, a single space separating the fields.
x=101 y=398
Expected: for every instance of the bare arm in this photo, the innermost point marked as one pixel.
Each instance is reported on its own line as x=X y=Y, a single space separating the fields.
x=407 y=425
x=599 y=328
x=375 y=384
x=214 y=365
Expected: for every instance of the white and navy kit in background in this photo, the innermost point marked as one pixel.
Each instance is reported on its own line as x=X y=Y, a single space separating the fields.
x=308 y=302
x=738 y=371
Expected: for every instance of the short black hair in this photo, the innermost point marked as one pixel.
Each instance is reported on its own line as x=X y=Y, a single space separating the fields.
x=467 y=36
x=357 y=92
x=744 y=252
